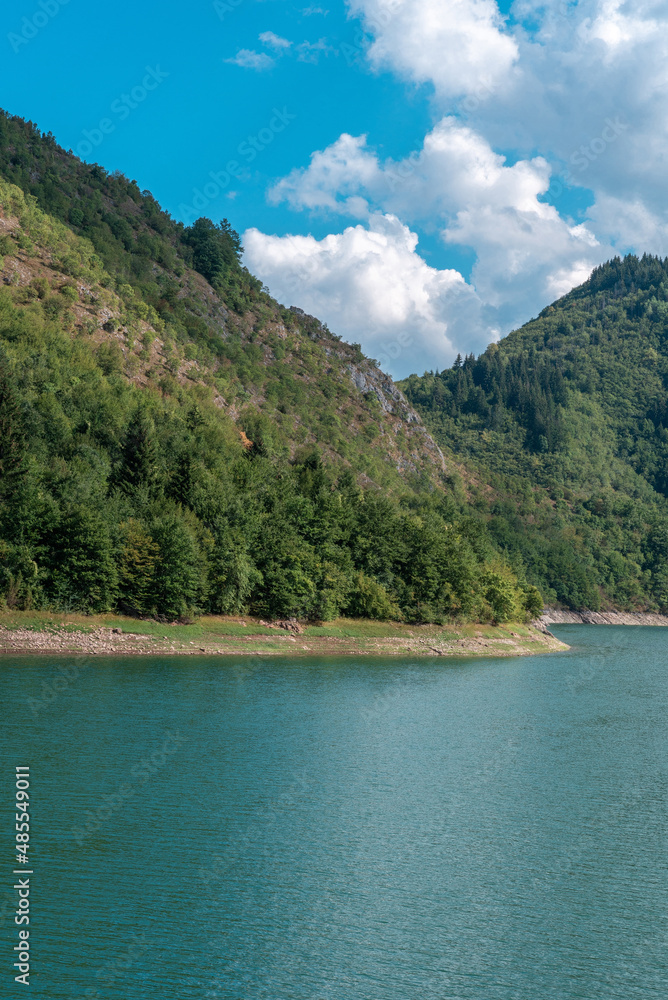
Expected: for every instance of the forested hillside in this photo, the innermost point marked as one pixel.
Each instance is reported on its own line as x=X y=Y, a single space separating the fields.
x=173 y=441
x=564 y=425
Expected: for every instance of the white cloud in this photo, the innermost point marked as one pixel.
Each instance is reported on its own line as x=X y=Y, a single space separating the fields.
x=307 y=52
x=613 y=23
x=274 y=41
x=249 y=59
x=604 y=61
x=455 y=167
x=578 y=90
x=549 y=82
x=455 y=44
x=525 y=252
x=631 y=224
x=369 y=283
x=333 y=175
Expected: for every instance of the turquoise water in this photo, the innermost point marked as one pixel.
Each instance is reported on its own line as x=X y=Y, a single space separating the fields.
x=353 y=830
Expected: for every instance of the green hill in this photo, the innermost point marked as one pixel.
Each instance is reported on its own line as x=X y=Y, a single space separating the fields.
x=174 y=441
x=563 y=427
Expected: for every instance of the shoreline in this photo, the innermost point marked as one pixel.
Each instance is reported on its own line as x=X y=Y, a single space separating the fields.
x=553 y=616
x=42 y=633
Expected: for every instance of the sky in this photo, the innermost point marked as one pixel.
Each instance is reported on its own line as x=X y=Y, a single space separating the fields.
x=422 y=175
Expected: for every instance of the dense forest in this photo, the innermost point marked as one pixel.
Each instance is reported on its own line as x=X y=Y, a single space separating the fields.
x=566 y=420
x=173 y=441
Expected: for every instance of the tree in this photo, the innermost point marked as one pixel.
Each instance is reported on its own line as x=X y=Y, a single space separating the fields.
x=234 y=577
x=137 y=568
x=13 y=440
x=179 y=581
x=19 y=576
x=216 y=249
x=83 y=574
x=369 y=599
x=139 y=462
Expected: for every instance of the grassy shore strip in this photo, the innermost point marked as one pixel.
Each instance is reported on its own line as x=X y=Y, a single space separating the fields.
x=46 y=632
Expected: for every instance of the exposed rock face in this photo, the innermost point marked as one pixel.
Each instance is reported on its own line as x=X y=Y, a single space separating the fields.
x=371 y=381
x=391 y=399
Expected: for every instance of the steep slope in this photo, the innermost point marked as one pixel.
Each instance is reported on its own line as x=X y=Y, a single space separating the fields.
x=173 y=440
x=262 y=360
x=566 y=421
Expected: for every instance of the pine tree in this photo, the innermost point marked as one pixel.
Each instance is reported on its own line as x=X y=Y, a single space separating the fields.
x=139 y=464
x=137 y=568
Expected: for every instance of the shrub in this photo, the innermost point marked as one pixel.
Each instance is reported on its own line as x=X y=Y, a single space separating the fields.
x=369 y=599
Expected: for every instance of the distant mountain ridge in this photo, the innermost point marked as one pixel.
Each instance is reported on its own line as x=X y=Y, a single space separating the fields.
x=565 y=421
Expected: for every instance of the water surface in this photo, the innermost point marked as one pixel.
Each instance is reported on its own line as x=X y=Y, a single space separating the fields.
x=260 y=829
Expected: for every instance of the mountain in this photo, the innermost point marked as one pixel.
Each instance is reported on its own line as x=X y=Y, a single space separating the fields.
x=563 y=428
x=174 y=441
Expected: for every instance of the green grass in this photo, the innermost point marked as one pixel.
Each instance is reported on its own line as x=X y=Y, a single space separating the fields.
x=45 y=621
x=214 y=625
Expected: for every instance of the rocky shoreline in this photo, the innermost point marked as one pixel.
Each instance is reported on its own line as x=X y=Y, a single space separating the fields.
x=271 y=639
x=553 y=616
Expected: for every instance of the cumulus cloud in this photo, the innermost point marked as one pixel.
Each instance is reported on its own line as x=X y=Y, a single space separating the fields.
x=333 y=178
x=549 y=82
x=369 y=282
x=249 y=59
x=575 y=94
x=455 y=44
x=525 y=252
x=578 y=67
x=631 y=224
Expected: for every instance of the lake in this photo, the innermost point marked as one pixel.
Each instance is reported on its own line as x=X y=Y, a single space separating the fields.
x=344 y=829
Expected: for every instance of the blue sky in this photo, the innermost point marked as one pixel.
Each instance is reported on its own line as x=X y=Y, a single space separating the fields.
x=422 y=174
x=67 y=78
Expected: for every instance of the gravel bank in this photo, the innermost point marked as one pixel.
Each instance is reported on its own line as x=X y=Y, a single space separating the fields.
x=554 y=617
